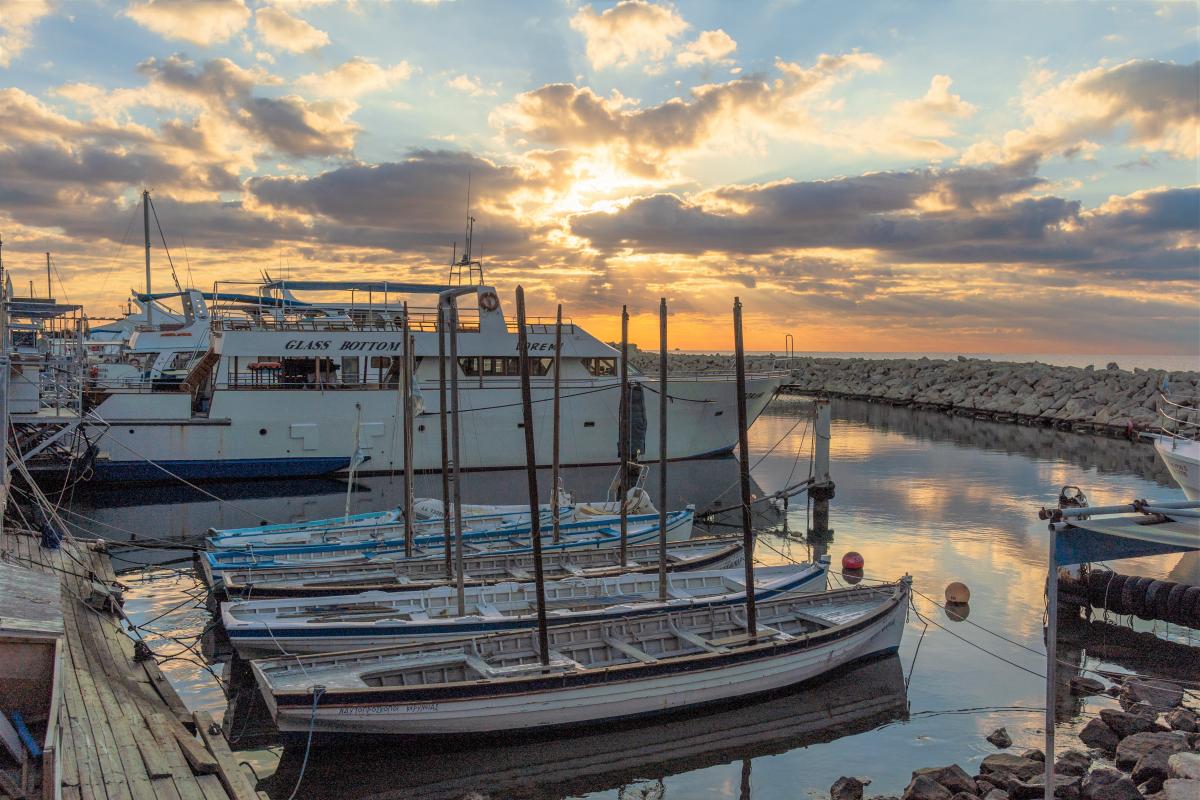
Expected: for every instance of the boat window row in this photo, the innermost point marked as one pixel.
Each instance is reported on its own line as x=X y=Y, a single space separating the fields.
x=509 y=366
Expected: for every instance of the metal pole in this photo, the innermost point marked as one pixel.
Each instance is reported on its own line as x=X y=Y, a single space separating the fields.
x=555 y=466
x=406 y=388
x=4 y=368
x=49 y=286
x=623 y=436
x=455 y=450
x=441 y=334
x=744 y=465
x=535 y=528
x=662 y=449
x=1051 y=656
x=146 y=228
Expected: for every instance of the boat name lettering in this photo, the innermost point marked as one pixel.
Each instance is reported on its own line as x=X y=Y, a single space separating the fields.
x=326 y=344
x=411 y=708
x=538 y=346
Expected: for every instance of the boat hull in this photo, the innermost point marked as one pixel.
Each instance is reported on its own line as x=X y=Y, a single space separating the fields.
x=1182 y=459
x=557 y=703
x=254 y=641
x=281 y=432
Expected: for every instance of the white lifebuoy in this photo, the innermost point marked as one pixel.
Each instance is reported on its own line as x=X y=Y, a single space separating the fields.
x=488 y=301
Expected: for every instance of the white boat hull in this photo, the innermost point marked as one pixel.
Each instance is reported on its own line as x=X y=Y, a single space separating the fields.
x=596 y=702
x=277 y=432
x=1182 y=458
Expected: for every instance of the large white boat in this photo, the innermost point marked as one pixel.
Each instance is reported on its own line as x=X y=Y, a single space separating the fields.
x=290 y=388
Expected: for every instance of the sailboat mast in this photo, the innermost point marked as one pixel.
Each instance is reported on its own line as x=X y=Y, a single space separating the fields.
x=146 y=228
x=535 y=528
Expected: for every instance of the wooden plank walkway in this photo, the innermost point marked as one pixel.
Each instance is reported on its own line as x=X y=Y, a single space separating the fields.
x=126 y=735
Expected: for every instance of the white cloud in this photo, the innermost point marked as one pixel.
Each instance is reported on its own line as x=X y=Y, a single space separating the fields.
x=630 y=31
x=282 y=31
x=356 y=76
x=469 y=84
x=17 y=18
x=201 y=22
x=709 y=47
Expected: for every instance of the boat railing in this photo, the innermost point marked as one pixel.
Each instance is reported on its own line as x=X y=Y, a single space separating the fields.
x=1180 y=415
x=419 y=321
x=540 y=325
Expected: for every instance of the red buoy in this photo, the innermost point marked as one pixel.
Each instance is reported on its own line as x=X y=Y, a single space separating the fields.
x=852 y=560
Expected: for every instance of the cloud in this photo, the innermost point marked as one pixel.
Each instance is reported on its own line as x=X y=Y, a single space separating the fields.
x=353 y=78
x=709 y=47
x=1154 y=105
x=201 y=22
x=281 y=31
x=629 y=32
x=469 y=84
x=17 y=18
x=415 y=204
x=642 y=139
x=913 y=127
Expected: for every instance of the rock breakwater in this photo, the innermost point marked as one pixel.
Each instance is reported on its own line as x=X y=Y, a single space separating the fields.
x=1112 y=400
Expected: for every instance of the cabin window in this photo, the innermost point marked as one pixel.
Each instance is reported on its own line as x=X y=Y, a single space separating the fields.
x=469 y=366
x=349 y=369
x=600 y=367
x=143 y=361
x=181 y=360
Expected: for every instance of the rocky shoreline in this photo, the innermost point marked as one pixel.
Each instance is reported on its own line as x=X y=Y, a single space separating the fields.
x=1110 y=401
x=1149 y=749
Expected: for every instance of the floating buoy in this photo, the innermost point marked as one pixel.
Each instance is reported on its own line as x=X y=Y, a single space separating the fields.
x=957 y=592
x=852 y=560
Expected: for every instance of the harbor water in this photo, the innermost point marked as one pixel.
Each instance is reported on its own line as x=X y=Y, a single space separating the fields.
x=940 y=498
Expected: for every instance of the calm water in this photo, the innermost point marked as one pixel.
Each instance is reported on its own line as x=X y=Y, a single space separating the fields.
x=940 y=498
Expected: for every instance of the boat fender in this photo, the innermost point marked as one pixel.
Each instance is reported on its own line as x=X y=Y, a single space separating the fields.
x=853 y=560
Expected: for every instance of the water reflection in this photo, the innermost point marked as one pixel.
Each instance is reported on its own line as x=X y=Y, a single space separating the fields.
x=637 y=757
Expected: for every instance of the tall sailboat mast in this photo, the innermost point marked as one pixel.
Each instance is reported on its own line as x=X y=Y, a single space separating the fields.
x=146 y=228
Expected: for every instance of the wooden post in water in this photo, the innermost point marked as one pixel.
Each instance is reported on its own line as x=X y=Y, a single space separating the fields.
x=555 y=466
x=739 y=357
x=662 y=449
x=455 y=452
x=623 y=437
x=535 y=528
x=406 y=388
x=448 y=546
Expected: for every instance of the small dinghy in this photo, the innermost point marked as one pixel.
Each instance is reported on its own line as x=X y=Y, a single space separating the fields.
x=598 y=671
x=598 y=533
x=375 y=619
x=479 y=570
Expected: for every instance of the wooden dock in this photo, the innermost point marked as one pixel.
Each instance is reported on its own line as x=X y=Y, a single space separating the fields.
x=125 y=733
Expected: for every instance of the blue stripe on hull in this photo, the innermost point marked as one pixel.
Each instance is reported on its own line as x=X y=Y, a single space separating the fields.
x=219 y=469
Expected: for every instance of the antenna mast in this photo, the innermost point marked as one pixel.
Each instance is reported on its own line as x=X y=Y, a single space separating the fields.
x=474 y=267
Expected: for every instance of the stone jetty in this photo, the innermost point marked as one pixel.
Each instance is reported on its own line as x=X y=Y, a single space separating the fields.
x=1112 y=400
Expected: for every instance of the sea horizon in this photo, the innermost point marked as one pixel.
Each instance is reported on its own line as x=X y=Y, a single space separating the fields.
x=1127 y=361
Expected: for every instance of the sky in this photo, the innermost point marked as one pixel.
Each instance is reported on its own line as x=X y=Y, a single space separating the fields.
x=997 y=177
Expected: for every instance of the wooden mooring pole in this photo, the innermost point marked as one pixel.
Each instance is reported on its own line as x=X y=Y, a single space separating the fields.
x=744 y=468
x=555 y=466
x=623 y=436
x=406 y=388
x=442 y=322
x=662 y=449
x=535 y=528
x=456 y=455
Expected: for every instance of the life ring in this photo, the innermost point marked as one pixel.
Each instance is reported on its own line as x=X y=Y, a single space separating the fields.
x=488 y=301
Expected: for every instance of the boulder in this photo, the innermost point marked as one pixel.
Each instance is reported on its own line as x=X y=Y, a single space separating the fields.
x=953 y=777
x=1183 y=719
x=1034 y=755
x=996 y=794
x=1073 y=762
x=1180 y=789
x=1082 y=685
x=1000 y=738
x=1065 y=786
x=1133 y=749
x=1184 y=765
x=1012 y=764
x=1097 y=734
x=923 y=787
x=1150 y=771
x=1159 y=695
x=1108 y=784
x=1123 y=723
x=846 y=788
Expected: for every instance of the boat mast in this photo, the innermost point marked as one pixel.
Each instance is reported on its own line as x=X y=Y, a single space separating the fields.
x=441 y=334
x=623 y=435
x=744 y=469
x=146 y=228
x=662 y=449
x=49 y=286
x=555 y=467
x=406 y=388
x=535 y=528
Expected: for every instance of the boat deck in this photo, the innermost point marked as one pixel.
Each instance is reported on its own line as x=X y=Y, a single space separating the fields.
x=125 y=733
